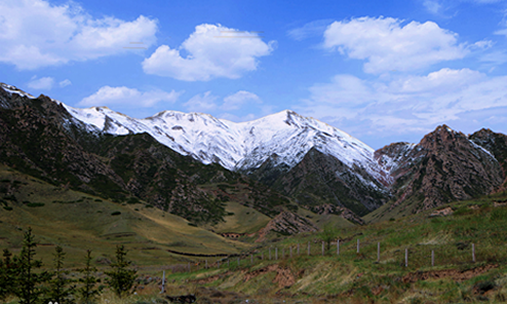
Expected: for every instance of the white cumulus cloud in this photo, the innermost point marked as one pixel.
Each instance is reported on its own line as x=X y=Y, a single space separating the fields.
x=127 y=97
x=212 y=51
x=35 y=33
x=389 y=45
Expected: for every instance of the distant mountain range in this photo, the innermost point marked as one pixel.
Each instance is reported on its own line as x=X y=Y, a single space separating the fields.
x=176 y=160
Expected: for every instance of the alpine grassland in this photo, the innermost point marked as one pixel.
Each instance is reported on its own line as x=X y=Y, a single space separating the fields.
x=468 y=240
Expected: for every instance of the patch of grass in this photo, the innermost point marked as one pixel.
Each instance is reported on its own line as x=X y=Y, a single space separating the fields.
x=498 y=214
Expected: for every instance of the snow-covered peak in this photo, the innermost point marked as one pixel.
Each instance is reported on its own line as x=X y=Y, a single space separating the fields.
x=14 y=90
x=286 y=136
x=246 y=145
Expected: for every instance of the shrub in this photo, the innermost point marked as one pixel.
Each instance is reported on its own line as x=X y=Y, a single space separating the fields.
x=329 y=234
x=462 y=210
x=133 y=200
x=35 y=204
x=116 y=213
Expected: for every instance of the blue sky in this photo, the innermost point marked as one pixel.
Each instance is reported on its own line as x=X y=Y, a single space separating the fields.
x=383 y=71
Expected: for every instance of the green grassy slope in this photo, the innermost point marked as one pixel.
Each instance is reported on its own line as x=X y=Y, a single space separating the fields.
x=360 y=278
x=78 y=221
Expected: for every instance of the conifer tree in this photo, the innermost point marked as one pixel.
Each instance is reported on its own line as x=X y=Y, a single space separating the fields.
x=60 y=290
x=29 y=290
x=87 y=292
x=121 y=279
x=9 y=271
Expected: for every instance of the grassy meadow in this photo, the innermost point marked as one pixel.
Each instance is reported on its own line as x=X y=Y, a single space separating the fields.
x=156 y=240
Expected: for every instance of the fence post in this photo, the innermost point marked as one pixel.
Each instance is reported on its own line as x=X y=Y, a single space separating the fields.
x=290 y=251
x=189 y=266
x=238 y=261
x=378 y=252
x=309 y=248
x=338 y=246
x=252 y=259
x=219 y=261
x=358 y=246
x=432 y=258
x=282 y=253
x=206 y=266
x=473 y=251
x=228 y=262
x=163 y=282
x=275 y=253
x=406 y=257
x=323 y=247
x=298 y=249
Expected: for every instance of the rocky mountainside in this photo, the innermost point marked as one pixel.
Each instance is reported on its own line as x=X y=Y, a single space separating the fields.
x=322 y=179
x=445 y=166
x=286 y=223
x=39 y=137
x=180 y=161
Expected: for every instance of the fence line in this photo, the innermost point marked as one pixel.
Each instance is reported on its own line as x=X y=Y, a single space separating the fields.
x=219 y=262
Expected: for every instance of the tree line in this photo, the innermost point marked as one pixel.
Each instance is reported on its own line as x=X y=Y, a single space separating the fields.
x=22 y=276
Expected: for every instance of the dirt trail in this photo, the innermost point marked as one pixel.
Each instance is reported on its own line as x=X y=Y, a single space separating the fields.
x=457 y=275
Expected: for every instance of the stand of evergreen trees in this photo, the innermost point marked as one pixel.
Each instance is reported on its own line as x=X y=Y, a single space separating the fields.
x=22 y=276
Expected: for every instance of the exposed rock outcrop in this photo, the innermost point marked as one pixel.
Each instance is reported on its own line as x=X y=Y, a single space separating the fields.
x=286 y=223
x=341 y=211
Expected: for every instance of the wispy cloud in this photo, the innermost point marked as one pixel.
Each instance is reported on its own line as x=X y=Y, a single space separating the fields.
x=207 y=102
x=128 y=97
x=43 y=83
x=311 y=29
x=65 y=83
x=405 y=103
x=432 y=6
x=213 y=51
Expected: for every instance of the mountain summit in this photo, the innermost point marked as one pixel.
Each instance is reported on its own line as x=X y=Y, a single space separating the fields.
x=237 y=146
x=302 y=158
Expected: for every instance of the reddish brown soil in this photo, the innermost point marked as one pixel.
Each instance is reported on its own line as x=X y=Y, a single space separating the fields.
x=284 y=277
x=457 y=275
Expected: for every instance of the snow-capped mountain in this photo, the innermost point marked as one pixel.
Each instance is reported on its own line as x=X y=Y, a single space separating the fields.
x=238 y=146
x=301 y=158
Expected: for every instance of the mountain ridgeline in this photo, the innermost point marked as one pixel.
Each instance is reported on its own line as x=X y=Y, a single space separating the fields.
x=191 y=164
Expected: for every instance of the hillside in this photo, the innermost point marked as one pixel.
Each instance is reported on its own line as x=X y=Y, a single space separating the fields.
x=77 y=221
x=445 y=166
x=352 y=277
x=40 y=138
